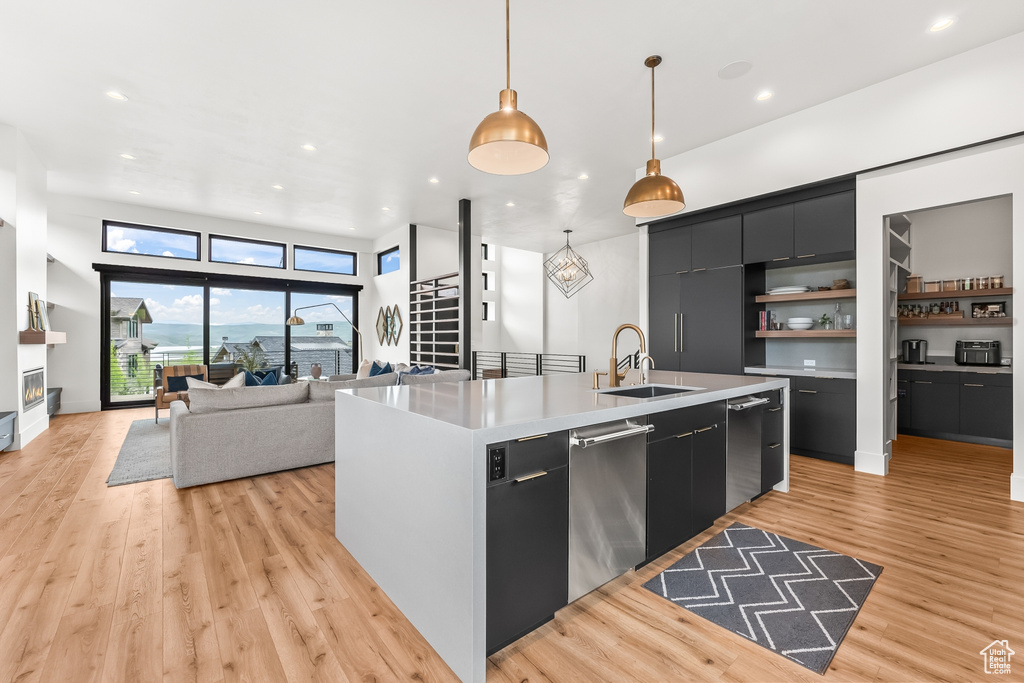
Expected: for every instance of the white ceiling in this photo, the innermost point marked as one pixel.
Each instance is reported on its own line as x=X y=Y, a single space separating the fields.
x=223 y=94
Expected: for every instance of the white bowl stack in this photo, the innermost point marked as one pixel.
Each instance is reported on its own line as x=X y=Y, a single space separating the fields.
x=799 y=323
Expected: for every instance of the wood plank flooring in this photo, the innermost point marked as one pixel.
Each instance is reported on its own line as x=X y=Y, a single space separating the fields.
x=244 y=580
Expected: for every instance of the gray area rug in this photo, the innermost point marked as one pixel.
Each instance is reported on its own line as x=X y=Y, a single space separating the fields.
x=793 y=598
x=145 y=454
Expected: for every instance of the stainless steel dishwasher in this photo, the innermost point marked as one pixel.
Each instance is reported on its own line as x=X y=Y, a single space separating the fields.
x=607 y=502
x=743 y=450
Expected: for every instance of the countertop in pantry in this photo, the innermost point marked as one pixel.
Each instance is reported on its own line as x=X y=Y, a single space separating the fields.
x=800 y=371
x=947 y=364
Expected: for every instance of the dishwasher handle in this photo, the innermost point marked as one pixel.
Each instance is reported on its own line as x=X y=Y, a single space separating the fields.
x=748 y=404
x=614 y=436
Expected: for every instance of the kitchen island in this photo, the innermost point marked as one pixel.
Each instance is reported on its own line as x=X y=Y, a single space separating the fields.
x=412 y=470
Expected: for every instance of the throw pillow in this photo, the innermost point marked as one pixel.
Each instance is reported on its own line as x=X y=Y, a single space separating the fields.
x=376 y=369
x=236 y=381
x=364 y=370
x=421 y=370
x=180 y=382
x=260 y=374
x=252 y=380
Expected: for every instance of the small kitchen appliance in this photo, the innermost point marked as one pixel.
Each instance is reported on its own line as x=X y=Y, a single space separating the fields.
x=977 y=352
x=915 y=351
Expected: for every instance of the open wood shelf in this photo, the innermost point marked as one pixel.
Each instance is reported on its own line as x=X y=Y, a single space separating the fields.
x=950 y=321
x=807 y=296
x=36 y=337
x=805 y=334
x=955 y=294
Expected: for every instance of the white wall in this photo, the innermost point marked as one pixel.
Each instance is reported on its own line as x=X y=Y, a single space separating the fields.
x=22 y=270
x=383 y=291
x=969 y=175
x=75 y=241
x=521 y=300
x=965 y=240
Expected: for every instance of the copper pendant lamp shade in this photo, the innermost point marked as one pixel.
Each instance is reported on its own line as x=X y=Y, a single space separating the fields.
x=508 y=142
x=653 y=195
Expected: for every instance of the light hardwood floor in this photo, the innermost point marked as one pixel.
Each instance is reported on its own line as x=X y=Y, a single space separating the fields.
x=244 y=581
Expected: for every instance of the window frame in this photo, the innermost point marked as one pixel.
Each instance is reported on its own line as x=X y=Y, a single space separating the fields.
x=324 y=250
x=246 y=240
x=107 y=224
x=382 y=254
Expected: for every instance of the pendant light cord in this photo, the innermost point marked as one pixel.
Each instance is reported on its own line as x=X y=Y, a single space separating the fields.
x=508 y=76
x=652 y=111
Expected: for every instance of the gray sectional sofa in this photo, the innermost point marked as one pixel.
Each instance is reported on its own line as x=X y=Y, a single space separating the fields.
x=246 y=431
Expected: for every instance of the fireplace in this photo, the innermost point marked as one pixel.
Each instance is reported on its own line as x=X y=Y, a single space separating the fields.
x=34 y=389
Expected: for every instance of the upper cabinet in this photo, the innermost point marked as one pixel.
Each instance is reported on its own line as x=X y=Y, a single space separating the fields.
x=711 y=244
x=806 y=229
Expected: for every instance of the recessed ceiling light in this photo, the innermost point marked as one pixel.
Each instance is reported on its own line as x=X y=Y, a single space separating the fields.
x=134 y=192
x=309 y=148
x=385 y=208
x=277 y=187
x=942 y=24
x=127 y=156
x=258 y=213
x=582 y=176
x=510 y=204
x=351 y=228
x=764 y=95
x=734 y=69
x=115 y=95
x=434 y=180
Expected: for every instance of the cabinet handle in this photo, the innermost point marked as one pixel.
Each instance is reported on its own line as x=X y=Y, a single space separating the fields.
x=681 y=349
x=680 y=436
x=528 y=477
x=805 y=255
x=919 y=381
x=682 y=272
x=675 y=332
x=774 y=410
x=974 y=385
x=4 y=436
x=698 y=431
x=774 y=445
x=782 y=258
x=806 y=391
x=699 y=270
x=531 y=438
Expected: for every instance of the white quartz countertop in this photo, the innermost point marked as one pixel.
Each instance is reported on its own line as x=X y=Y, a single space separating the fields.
x=947 y=364
x=801 y=371
x=552 y=402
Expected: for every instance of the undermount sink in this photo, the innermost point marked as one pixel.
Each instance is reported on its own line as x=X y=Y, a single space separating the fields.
x=649 y=391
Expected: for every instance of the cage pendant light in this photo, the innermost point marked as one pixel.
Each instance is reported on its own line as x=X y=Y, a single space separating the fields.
x=508 y=142
x=655 y=194
x=568 y=270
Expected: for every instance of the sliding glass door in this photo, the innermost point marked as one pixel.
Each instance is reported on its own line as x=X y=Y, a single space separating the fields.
x=325 y=337
x=247 y=327
x=149 y=325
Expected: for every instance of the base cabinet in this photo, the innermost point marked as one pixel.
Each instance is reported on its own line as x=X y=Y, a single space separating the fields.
x=823 y=415
x=975 y=407
x=527 y=535
x=773 y=456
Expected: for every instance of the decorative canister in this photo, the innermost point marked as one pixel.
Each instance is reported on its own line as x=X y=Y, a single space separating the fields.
x=996 y=281
x=966 y=283
x=949 y=285
x=915 y=284
x=982 y=282
x=315 y=370
x=933 y=286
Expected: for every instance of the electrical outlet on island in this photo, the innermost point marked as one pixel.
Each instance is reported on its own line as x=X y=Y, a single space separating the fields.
x=809 y=363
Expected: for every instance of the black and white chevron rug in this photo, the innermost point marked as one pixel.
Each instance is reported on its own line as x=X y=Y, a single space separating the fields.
x=793 y=598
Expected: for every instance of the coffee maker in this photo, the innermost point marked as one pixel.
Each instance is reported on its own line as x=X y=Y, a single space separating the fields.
x=915 y=351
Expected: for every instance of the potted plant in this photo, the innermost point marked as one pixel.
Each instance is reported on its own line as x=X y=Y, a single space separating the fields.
x=825 y=321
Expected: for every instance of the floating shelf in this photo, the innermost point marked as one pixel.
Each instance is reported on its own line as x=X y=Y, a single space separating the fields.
x=805 y=334
x=950 y=321
x=807 y=296
x=955 y=294
x=36 y=337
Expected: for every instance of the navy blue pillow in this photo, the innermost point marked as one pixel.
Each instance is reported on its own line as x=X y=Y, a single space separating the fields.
x=421 y=370
x=378 y=370
x=251 y=380
x=179 y=382
x=260 y=374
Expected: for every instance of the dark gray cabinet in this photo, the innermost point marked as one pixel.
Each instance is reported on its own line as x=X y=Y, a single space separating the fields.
x=768 y=235
x=811 y=228
x=696 y=320
x=935 y=406
x=986 y=405
x=711 y=244
x=709 y=469
x=773 y=460
x=527 y=535
x=823 y=418
x=7 y=429
x=824 y=225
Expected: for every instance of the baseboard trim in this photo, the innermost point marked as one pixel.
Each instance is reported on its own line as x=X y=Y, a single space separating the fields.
x=1017 y=487
x=26 y=433
x=68 y=407
x=871 y=463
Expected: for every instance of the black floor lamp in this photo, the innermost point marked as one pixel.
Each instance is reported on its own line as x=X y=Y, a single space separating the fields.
x=296 y=320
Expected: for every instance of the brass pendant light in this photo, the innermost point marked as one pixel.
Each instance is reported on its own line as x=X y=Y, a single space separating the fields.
x=653 y=195
x=508 y=142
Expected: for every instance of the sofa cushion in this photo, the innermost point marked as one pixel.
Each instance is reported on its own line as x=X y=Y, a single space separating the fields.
x=443 y=376
x=180 y=382
x=324 y=391
x=235 y=381
x=338 y=378
x=376 y=369
x=268 y=379
x=212 y=400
